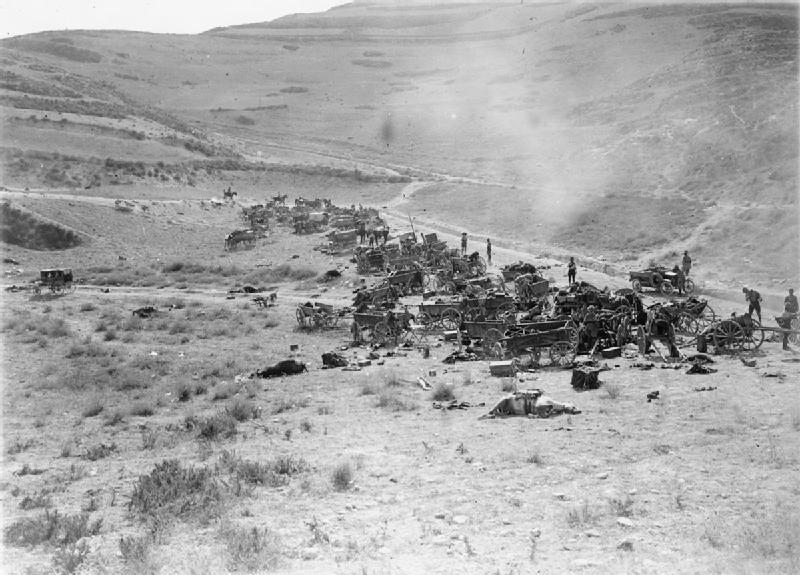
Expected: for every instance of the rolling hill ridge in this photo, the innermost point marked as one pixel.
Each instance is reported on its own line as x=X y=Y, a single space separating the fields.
x=631 y=132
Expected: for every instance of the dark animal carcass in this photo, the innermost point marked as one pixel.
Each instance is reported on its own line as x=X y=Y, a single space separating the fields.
x=285 y=367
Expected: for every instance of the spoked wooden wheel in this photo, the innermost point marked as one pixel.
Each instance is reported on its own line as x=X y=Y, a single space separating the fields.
x=666 y=287
x=451 y=319
x=562 y=353
x=636 y=285
x=728 y=336
x=689 y=286
x=752 y=336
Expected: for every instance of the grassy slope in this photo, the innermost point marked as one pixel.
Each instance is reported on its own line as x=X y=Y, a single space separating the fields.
x=570 y=105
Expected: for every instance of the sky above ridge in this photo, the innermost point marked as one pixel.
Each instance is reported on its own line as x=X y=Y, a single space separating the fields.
x=19 y=17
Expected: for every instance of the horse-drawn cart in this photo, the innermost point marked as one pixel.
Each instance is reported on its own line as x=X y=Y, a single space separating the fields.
x=441 y=313
x=559 y=338
x=317 y=315
x=57 y=281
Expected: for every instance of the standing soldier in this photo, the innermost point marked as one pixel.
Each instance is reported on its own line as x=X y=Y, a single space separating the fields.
x=686 y=263
x=362 y=230
x=385 y=234
x=489 y=251
x=571 y=270
x=463 y=243
x=754 y=299
x=790 y=302
x=680 y=279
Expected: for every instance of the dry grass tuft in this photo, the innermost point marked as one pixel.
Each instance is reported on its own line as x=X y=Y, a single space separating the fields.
x=251 y=549
x=175 y=490
x=342 y=477
x=51 y=528
x=582 y=515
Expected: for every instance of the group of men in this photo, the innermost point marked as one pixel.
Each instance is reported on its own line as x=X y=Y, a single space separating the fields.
x=373 y=235
x=488 y=247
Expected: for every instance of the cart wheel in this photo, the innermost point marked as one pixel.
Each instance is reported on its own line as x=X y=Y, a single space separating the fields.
x=318 y=320
x=451 y=319
x=492 y=337
x=641 y=340
x=562 y=353
x=753 y=338
x=636 y=285
x=728 y=335
x=666 y=287
x=37 y=290
x=689 y=286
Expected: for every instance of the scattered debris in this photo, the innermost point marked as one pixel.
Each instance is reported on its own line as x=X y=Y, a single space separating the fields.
x=709 y=388
x=333 y=359
x=503 y=368
x=423 y=383
x=643 y=365
x=460 y=356
x=699 y=369
x=652 y=395
x=454 y=404
x=748 y=362
x=11 y=261
x=585 y=378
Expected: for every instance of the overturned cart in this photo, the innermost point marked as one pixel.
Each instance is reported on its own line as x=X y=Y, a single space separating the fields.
x=557 y=338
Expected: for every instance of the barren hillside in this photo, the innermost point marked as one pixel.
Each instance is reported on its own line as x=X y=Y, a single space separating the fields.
x=564 y=106
x=140 y=432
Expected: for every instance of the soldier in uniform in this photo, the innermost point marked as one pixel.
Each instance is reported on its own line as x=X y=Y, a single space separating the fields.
x=754 y=300
x=686 y=263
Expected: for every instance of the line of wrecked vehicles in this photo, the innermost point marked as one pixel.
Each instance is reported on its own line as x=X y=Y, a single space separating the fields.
x=517 y=313
x=306 y=216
